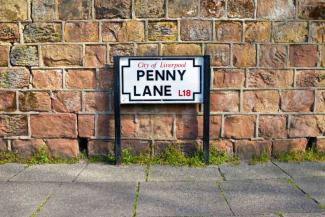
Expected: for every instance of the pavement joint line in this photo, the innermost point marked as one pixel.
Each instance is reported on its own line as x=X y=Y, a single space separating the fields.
x=146 y=173
x=222 y=174
x=135 y=203
x=285 y=172
x=77 y=176
x=224 y=197
x=25 y=167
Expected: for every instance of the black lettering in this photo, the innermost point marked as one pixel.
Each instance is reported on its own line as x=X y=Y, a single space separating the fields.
x=135 y=91
x=181 y=74
x=160 y=74
x=140 y=73
x=147 y=91
x=150 y=75
x=171 y=75
x=158 y=90
x=168 y=91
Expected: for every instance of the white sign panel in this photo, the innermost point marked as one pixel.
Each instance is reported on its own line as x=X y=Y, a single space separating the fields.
x=161 y=80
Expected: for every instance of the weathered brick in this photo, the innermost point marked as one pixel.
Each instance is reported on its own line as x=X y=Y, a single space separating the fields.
x=274 y=56
x=113 y=9
x=3 y=145
x=304 y=126
x=105 y=79
x=100 y=147
x=22 y=55
x=290 y=32
x=34 y=101
x=95 y=55
x=105 y=126
x=269 y=78
x=186 y=127
x=137 y=147
x=14 y=78
x=244 y=55
x=123 y=31
x=96 y=101
x=44 y=10
x=224 y=146
x=47 y=79
x=81 y=32
x=66 y=101
x=321 y=123
x=86 y=126
x=121 y=50
x=162 y=31
x=317 y=32
x=310 y=78
x=62 y=55
x=225 y=101
x=275 y=9
x=311 y=9
x=147 y=50
x=149 y=8
x=257 y=31
x=183 y=8
x=144 y=126
x=241 y=8
x=13 y=125
x=9 y=32
x=163 y=126
x=289 y=146
x=215 y=126
x=80 y=79
x=220 y=54
x=7 y=101
x=196 y=30
x=128 y=126
x=233 y=78
x=323 y=56
x=239 y=126
x=63 y=148
x=272 y=126
x=42 y=32
x=27 y=148
x=181 y=49
x=246 y=149
x=261 y=101
x=297 y=100
x=4 y=56
x=320 y=101
x=74 y=9
x=14 y=10
x=54 y=126
x=303 y=55
x=228 y=31
x=320 y=145
x=213 y=8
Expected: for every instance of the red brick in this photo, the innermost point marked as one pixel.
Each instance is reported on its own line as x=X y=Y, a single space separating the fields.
x=47 y=79
x=274 y=56
x=96 y=101
x=187 y=127
x=320 y=101
x=239 y=126
x=225 y=146
x=13 y=125
x=261 y=101
x=62 y=55
x=244 y=55
x=27 y=148
x=215 y=126
x=289 y=146
x=225 y=101
x=80 y=79
x=220 y=54
x=147 y=50
x=129 y=31
x=128 y=126
x=181 y=49
x=74 y=9
x=66 y=101
x=270 y=78
x=304 y=126
x=86 y=125
x=163 y=126
x=105 y=79
x=63 y=148
x=3 y=145
x=233 y=78
x=303 y=55
x=275 y=9
x=34 y=101
x=245 y=149
x=105 y=126
x=54 y=126
x=320 y=145
x=137 y=147
x=144 y=128
x=95 y=55
x=228 y=31
x=310 y=78
x=272 y=126
x=100 y=147
x=9 y=32
x=323 y=56
x=297 y=100
x=7 y=101
x=4 y=56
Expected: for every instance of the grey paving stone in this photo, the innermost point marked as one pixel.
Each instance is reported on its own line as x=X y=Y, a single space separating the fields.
x=50 y=173
x=303 y=169
x=181 y=199
x=314 y=186
x=255 y=197
x=304 y=215
x=7 y=171
x=22 y=199
x=245 y=171
x=91 y=199
x=167 y=173
x=109 y=173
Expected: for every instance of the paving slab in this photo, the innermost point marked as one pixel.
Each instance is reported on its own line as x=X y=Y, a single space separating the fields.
x=7 y=171
x=91 y=199
x=303 y=169
x=304 y=215
x=255 y=197
x=246 y=171
x=167 y=173
x=181 y=199
x=50 y=173
x=22 y=199
x=109 y=173
x=314 y=186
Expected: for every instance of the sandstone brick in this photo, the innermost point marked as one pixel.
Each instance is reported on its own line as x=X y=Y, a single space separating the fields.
x=261 y=101
x=34 y=101
x=95 y=55
x=317 y=30
x=270 y=78
x=275 y=9
x=63 y=148
x=54 y=126
x=62 y=55
x=272 y=126
x=86 y=126
x=196 y=30
x=14 y=10
x=13 y=125
x=113 y=9
x=147 y=50
x=163 y=126
x=100 y=147
x=220 y=54
x=42 y=32
x=9 y=32
x=22 y=55
x=66 y=101
x=74 y=9
x=183 y=8
x=244 y=55
x=246 y=149
x=213 y=8
x=321 y=123
x=289 y=146
x=80 y=79
x=3 y=145
x=274 y=56
x=162 y=31
x=149 y=8
x=105 y=79
x=187 y=127
x=224 y=146
x=27 y=148
x=181 y=49
x=137 y=147
x=144 y=126
x=239 y=126
x=297 y=100
x=128 y=126
x=81 y=32
x=7 y=101
x=320 y=145
x=290 y=32
x=215 y=126
x=225 y=101
x=47 y=79
x=4 y=56
x=44 y=10
x=14 y=78
x=241 y=8
x=257 y=31
x=320 y=101
x=123 y=31
x=303 y=55
x=311 y=9
x=228 y=31
x=310 y=78
x=323 y=56
x=121 y=50
x=96 y=101
x=233 y=78
x=105 y=126
x=304 y=126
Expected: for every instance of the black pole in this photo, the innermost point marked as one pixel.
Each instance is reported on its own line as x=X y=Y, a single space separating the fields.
x=206 y=122
x=117 y=111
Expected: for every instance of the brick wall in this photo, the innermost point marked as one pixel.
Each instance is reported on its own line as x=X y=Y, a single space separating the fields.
x=268 y=77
